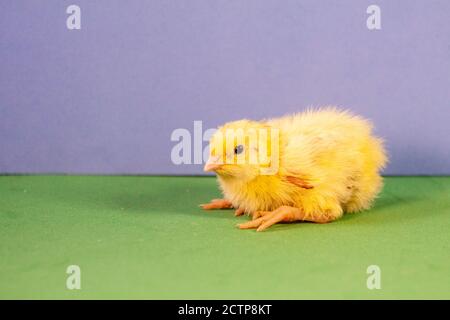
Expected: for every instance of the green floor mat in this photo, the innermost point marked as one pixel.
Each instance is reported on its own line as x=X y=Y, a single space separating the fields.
x=146 y=237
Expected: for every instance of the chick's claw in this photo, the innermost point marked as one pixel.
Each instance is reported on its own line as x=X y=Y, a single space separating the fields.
x=239 y=212
x=282 y=214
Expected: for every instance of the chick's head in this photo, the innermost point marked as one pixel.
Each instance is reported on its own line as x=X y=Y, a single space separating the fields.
x=241 y=149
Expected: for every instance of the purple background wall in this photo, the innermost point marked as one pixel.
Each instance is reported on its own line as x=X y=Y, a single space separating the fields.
x=106 y=98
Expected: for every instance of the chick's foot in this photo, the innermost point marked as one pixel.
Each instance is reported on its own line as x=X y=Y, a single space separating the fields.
x=265 y=219
x=217 y=204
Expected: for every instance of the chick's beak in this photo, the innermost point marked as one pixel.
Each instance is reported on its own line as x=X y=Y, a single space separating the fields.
x=212 y=164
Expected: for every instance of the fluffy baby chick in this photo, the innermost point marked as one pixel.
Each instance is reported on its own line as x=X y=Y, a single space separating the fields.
x=316 y=165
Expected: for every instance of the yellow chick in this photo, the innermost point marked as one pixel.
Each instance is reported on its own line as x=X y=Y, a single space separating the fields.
x=310 y=166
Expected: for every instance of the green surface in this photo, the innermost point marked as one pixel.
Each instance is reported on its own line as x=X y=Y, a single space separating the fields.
x=145 y=237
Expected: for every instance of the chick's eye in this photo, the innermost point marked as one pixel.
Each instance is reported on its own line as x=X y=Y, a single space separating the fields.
x=238 y=149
